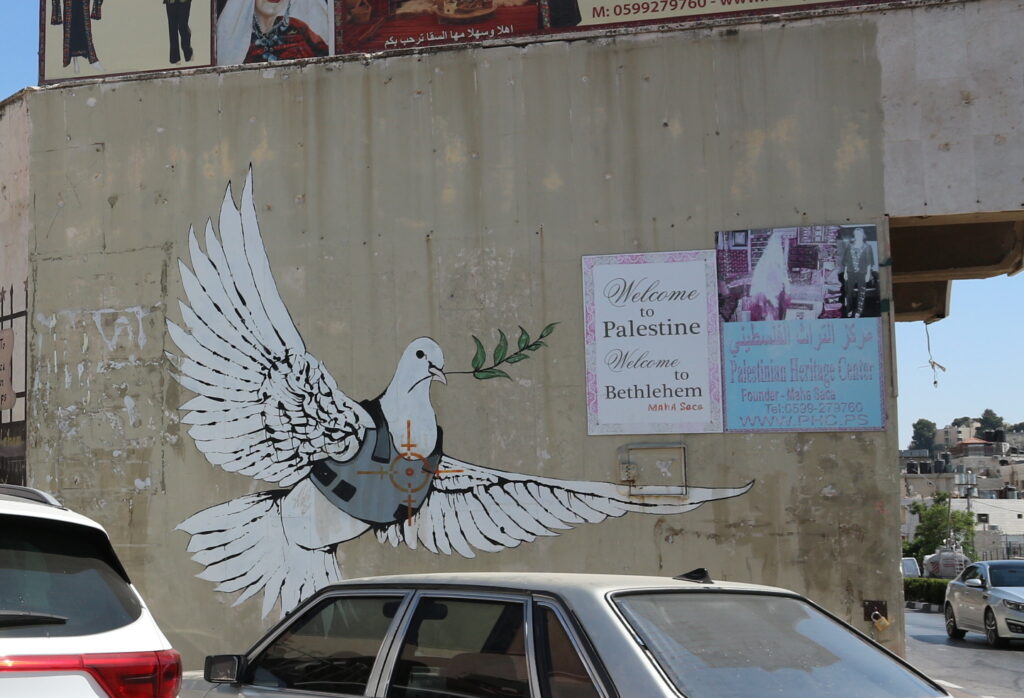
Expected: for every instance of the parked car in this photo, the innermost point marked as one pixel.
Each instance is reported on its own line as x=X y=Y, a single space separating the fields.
x=909 y=567
x=71 y=623
x=988 y=597
x=559 y=636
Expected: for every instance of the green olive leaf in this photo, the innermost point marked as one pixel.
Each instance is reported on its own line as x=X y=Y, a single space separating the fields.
x=524 y=338
x=501 y=349
x=480 y=356
x=491 y=373
x=501 y=355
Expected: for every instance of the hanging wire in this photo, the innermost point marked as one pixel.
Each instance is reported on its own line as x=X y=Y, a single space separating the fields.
x=931 y=361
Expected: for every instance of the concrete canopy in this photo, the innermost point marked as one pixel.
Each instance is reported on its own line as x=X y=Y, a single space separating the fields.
x=930 y=252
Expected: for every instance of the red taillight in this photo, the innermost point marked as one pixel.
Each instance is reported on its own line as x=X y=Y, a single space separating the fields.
x=137 y=674
x=121 y=675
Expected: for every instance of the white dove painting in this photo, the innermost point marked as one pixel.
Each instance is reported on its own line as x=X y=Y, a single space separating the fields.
x=267 y=409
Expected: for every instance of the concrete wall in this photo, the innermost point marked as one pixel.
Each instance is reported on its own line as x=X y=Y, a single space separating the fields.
x=15 y=136
x=15 y=198
x=449 y=195
x=954 y=104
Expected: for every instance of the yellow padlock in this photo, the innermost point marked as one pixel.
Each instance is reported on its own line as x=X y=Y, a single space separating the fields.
x=880 y=621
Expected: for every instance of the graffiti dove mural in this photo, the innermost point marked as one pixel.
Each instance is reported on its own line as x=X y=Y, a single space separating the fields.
x=266 y=408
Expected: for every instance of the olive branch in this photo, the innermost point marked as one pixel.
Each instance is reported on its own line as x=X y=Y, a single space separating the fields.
x=524 y=345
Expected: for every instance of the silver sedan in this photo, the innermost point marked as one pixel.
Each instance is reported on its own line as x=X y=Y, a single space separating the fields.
x=512 y=635
x=987 y=597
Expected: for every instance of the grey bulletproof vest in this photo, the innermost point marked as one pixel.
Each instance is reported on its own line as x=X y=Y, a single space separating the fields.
x=379 y=484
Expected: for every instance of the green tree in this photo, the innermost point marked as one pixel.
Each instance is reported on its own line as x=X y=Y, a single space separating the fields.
x=989 y=420
x=924 y=435
x=936 y=520
x=962 y=422
x=1019 y=426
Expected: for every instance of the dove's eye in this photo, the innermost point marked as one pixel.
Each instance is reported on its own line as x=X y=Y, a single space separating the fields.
x=420 y=354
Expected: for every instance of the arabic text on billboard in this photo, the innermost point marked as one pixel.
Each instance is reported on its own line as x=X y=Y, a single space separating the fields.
x=801 y=333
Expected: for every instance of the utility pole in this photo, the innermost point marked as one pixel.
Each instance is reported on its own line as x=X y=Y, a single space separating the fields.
x=949 y=516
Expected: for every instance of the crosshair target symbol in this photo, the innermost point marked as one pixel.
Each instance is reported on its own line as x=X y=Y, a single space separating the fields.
x=409 y=472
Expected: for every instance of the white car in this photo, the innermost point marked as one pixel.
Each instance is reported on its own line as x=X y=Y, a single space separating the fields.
x=909 y=567
x=531 y=635
x=987 y=598
x=71 y=623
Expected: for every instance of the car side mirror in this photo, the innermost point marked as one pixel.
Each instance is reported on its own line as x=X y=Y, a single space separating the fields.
x=975 y=583
x=224 y=668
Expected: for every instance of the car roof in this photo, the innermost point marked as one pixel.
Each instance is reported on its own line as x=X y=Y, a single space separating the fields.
x=19 y=506
x=1003 y=563
x=556 y=583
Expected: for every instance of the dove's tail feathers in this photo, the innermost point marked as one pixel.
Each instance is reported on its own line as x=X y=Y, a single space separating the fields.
x=245 y=548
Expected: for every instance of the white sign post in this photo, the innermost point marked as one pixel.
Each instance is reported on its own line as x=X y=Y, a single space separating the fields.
x=652 y=336
x=7 y=395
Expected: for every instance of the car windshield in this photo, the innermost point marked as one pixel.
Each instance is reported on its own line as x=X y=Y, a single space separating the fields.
x=59 y=579
x=733 y=645
x=1007 y=575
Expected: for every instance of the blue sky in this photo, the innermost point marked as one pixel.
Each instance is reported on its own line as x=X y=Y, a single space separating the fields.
x=980 y=344
x=19 y=51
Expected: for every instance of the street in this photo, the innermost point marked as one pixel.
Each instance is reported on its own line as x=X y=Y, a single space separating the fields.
x=969 y=664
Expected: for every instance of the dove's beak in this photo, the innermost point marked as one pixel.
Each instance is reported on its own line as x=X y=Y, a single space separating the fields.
x=438 y=375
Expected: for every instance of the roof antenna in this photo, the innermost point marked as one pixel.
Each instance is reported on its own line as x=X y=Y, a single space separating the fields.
x=699 y=575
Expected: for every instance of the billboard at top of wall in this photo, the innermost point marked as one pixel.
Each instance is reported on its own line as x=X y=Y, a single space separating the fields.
x=801 y=329
x=267 y=31
x=82 y=39
x=368 y=26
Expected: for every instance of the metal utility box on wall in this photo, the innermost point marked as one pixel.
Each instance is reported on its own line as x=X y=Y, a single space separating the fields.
x=653 y=468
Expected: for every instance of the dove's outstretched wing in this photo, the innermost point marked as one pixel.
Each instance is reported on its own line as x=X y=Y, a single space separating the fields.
x=264 y=407
x=475 y=508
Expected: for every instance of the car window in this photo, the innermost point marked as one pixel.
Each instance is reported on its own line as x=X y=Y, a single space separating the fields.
x=971 y=572
x=59 y=579
x=1008 y=575
x=725 y=645
x=560 y=669
x=462 y=648
x=330 y=648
